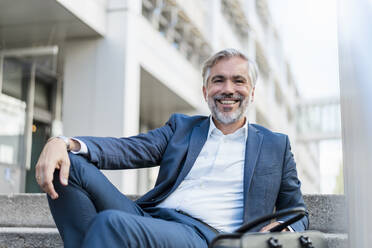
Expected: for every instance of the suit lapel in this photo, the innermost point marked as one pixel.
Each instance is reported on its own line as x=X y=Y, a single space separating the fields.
x=197 y=141
x=253 y=148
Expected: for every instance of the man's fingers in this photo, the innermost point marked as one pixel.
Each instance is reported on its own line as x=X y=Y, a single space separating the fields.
x=272 y=225
x=38 y=171
x=38 y=175
x=269 y=226
x=48 y=188
x=64 y=172
x=47 y=179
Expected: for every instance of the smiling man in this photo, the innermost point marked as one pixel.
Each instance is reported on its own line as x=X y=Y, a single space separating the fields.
x=216 y=173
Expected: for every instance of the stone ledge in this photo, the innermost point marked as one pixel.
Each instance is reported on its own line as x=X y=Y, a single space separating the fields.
x=336 y=240
x=17 y=237
x=327 y=212
x=26 y=210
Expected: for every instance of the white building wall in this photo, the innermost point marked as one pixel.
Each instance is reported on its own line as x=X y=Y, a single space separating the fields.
x=101 y=85
x=92 y=12
x=104 y=70
x=166 y=63
x=108 y=68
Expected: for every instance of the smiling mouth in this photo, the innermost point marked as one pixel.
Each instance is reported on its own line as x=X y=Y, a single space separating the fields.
x=228 y=102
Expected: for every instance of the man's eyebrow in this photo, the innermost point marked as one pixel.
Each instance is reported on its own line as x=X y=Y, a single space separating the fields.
x=218 y=77
x=239 y=77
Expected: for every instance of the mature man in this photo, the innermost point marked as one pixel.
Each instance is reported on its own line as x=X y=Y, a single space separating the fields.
x=216 y=173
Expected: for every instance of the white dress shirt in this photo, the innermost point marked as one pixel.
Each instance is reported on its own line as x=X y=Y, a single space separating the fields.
x=213 y=189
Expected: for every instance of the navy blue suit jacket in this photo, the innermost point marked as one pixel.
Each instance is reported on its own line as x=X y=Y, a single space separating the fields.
x=270 y=176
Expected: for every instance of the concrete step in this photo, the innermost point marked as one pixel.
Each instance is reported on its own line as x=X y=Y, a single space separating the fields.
x=26 y=210
x=25 y=220
x=17 y=237
x=327 y=212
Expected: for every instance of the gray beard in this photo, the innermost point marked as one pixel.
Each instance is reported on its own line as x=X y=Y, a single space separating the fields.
x=228 y=117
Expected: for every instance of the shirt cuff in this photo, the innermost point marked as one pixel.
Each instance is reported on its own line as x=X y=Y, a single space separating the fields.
x=290 y=228
x=83 y=147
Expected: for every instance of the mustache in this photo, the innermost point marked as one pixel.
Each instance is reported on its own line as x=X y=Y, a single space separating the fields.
x=237 y=96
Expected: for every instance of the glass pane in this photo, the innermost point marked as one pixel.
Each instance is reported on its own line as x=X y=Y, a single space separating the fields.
x=12 y=78
x=12 y=119
x=42 y=95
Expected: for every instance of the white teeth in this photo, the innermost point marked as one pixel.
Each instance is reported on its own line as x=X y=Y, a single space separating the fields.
x=227 y=102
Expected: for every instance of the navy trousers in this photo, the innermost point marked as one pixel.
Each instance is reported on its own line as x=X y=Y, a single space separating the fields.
x=91 y=212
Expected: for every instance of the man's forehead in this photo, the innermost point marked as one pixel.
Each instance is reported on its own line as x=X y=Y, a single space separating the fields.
x=235 y=66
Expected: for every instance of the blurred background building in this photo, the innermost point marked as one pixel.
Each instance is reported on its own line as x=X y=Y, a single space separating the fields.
x=116 y=68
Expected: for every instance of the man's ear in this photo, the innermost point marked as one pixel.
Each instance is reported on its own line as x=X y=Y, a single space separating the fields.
x=252 y=96
x=205 y=93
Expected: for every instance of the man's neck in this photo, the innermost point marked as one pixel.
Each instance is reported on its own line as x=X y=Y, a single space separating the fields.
x=229 y=128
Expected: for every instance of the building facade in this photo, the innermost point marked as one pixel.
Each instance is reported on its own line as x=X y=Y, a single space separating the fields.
x=116 y=68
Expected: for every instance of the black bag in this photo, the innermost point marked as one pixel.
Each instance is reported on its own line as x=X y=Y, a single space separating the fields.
x=274 y=238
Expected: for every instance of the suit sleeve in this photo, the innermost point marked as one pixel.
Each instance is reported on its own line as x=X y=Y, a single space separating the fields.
x=140 y=151
x=290 y=195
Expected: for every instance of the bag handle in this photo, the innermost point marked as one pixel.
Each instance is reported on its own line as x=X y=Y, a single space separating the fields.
x=299 y=213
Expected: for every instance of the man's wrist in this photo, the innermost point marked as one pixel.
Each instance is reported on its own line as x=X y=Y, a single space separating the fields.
x=66 y=140
x=71 y=144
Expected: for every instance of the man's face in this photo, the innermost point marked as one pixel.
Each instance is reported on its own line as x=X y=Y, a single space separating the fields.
x=228 y=90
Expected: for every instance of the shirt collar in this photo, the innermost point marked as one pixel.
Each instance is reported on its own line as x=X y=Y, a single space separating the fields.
x=244 y=128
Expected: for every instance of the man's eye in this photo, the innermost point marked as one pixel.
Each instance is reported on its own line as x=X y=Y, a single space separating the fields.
x=239 y=81
x=218 y=81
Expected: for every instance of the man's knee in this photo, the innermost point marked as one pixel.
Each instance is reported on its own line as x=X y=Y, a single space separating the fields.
x=123 y=224
x=114 y=224
x=110 y=227
x=76 y=171
x=78 y=165
x=107 y=216
x=111 y=218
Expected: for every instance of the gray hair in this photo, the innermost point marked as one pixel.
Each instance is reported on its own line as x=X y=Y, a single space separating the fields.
x=229 y=53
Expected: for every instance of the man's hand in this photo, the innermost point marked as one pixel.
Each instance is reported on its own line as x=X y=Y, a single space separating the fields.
x=271 y=225
x=54 y=156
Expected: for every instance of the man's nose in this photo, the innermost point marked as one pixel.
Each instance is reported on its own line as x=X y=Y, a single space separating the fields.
x=228 y=87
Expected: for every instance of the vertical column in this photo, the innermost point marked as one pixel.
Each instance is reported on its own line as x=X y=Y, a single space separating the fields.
x=101 y=84
x=131 y=94
x=355 y=37
x=132 y=69
x=214 y=23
